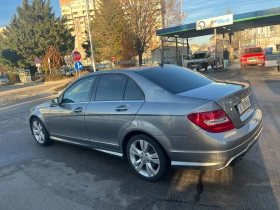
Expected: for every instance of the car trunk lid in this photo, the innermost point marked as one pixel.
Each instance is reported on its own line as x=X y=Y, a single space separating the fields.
x=231 y=97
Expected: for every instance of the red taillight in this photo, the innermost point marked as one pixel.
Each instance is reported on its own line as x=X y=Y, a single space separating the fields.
x=214 y=121
x=261 y=56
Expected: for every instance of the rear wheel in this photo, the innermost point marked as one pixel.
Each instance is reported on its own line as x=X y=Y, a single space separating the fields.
x=40 y=133
x=146 y=157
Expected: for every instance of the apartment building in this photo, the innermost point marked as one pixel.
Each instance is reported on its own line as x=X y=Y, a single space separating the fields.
x=268 y=36
x=75 y=12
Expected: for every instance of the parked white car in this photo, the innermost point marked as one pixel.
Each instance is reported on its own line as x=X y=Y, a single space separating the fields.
x=4 y=80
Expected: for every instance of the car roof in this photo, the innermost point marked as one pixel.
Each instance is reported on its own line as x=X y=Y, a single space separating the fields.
x=202 y=51
x=122 y=71
x=247 y=48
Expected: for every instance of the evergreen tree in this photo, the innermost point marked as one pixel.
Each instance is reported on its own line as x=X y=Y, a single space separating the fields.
x=32 y=30
x=110 y=33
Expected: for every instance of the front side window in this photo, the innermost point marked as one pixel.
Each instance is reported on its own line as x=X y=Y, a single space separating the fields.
x=111 y=87
x=79 y=92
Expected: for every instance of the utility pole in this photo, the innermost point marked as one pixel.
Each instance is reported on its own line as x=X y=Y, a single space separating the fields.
x=90 y=38
x=49 y=61
x=216 y=50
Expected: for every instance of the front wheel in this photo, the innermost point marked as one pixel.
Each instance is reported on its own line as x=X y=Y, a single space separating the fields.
x=40 y=133
x=206 y=66
x=147 y=157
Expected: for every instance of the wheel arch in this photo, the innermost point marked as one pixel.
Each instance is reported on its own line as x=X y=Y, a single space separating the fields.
x=132 y=133
x=33 y=116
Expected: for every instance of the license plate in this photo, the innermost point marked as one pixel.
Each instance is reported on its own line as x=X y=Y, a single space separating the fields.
x=243 y=106
x=253 y=59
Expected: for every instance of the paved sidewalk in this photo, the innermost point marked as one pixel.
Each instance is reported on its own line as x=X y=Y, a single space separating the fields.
x=13 y=93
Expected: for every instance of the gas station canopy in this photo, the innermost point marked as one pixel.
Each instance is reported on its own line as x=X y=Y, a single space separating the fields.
x=240 y=22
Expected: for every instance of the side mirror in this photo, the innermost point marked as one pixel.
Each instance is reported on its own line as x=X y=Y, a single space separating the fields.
x=55 y=102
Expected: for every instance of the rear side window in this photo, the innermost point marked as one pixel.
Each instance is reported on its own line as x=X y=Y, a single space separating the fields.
x=132 y=91
x=175 y=79
x=111 y=87
x=253 y=50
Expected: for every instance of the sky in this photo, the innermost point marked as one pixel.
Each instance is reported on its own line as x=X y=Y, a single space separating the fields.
x=7 y=10
x=196 y=9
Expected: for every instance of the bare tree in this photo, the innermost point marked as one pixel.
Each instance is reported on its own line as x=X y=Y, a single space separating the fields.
x=229 y=11
x=203 y=46
x=172 y=13
x=239 y=35
x=143 y=18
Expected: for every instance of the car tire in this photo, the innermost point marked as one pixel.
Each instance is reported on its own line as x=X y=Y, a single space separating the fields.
x=206 y=66
x=39 y=132
x=147 y=158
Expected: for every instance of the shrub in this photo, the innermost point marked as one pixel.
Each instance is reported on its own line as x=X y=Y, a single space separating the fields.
x=82 y=73
x=53 y=77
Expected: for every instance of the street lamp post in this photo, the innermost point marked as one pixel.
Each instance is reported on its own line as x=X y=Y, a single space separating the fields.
x=90 y=38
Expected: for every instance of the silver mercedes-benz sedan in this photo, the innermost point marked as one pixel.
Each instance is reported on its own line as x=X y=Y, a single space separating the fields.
x=154 y=117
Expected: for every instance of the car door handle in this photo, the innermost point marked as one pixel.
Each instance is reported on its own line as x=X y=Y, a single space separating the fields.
x=122 y=108
x=79 y=109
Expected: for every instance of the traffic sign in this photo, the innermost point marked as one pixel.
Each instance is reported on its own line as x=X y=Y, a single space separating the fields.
x=79 y=66
x=37 y=61
x=214 y=22
x=76 y=56
x=113 y=58
x=67 y=60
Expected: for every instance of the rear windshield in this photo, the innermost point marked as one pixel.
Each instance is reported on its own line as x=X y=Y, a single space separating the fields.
x=2 y=77
x=199 y=55
x=253 y=50
x=175 y=79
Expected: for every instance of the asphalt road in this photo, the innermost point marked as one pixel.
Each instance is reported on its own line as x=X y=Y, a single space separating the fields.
x=28 y=91
x=63 y=176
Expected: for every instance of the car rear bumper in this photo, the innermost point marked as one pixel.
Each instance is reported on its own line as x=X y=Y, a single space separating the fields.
x=224 y=149
x=196 y=66
x=252 y=63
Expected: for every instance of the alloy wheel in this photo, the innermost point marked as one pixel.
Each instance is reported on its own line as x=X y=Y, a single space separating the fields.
x=38 y=131
x=144 y=158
